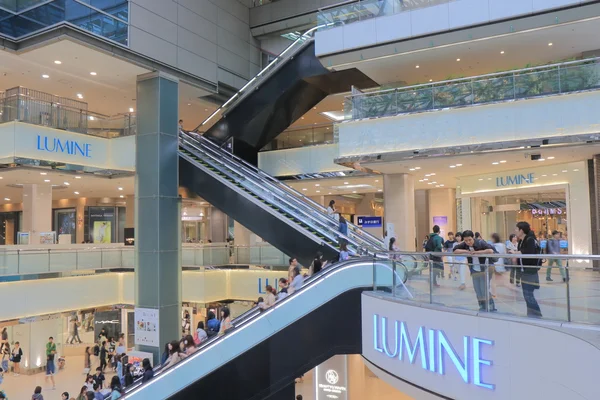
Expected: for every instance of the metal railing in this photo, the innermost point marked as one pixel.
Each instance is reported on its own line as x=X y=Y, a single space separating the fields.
x=39 y=108
x=558 y=287
x=367 y=9
x=568 y=77
x=45 y=260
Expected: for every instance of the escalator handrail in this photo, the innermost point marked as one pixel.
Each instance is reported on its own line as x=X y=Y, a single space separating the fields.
x=265 y=72
x=320 y=218
x=324 y=230
x=256 y=313
x=278 y=184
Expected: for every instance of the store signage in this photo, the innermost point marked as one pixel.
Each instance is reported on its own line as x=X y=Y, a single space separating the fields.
x=370 y=222
x=331 y=379
x=70 y=147
x=261 y=287
x=114 y=321
x=430 y=350
x=515 y=180
x=547 y=211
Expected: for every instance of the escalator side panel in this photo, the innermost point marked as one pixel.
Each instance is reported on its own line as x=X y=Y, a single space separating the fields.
x=267 y=370
x=264 y=224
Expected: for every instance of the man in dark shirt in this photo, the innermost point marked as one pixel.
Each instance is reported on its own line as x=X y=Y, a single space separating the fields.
x=99 y=377
x=475 y=250
x=530 y=279
x=448 y=246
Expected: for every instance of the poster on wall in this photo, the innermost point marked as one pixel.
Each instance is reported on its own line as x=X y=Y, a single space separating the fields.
x=65 y=223
x=47 y=237
x=23 y=237
x=331 y=379
x=102 y=231
x=146 y=327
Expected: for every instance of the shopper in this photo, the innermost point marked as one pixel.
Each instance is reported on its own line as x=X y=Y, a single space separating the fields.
x=89 y=383
x=64 y=396
x=128 y=375
x=189 y=345
x=87 y=360
x=148 y=372
x=553 y=247
x=50 y=368
x=435 y=245
x=269 y=297
x=331 y=210
x=120 y=372
x=344 y=254
x=460 y=263
x=115 y=387
x=297 y=281
x=103 y=355
x=530 y=279
x=82 y=393
x=99 y=377
x=4 y=336
x=472 y=248
x=448 y=247
x=175 y=353
x=90 y=395
x=515 y=268
x=283 y=289
x=293 y=263
x=392 y=247
x=97 y=392
x=425 y=242
x=17 y=354
x=317 y=265
x=6 y=354
x=37 y=394
x=343 y=226
x=200 y=333
x=212 y=324
x=497 y=270
x=121 y=348
x=225 y=321
x=74 y=330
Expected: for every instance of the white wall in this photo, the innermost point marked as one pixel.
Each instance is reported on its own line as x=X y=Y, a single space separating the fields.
x=207 y=38
x=422 y=21
x=302 y=160
x=555 y=116
x=528 y=361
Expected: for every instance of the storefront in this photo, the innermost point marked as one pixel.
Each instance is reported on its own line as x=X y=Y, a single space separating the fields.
x=549 y=198
x=104 y=224
x=9 y=226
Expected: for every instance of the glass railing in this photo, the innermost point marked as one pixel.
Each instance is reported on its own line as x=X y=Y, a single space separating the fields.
x=563 y=292
x=272 y=185
x=302 y=137
x=520 y=84
x=39 y=108
x=45 y=260
x=108 y=19
x=367 y=9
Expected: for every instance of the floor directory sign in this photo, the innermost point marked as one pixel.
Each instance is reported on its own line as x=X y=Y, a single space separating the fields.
x=146 y=327
x=331 y=379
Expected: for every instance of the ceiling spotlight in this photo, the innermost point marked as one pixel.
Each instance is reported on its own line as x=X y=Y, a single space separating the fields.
x=76 y=192
x=502 y=52
x=480 y=179
x=120 y=188
x=46 y=180
x=575 y=170
x=564 y=170
x=502 y=161
x=66 y=183
x=412 y=169
x=43 y=173
x=380 y=190
x=420 y=180
x=550 y=44
x=417 y=66
x=77 y=177
x=554 y=174
x=6 y=199
x=317 y=184
x=432 y=174
x=131 y=109
x=121 y=196
x=345 y=183
x=453 y=166
x=458 y=59
x=189 y=104
x=303 y=188
x=45 y=76
x=79 y=96
x=329 y=193
x=354 y=191
x=542 y=159
x=431 y=80
x=57 y=62
x=93 y=73
x=1 y=177
x=495 y=163
x=441 y=184
x=376 y=180
x=318 y=191
x=417 y=167
x=459 y=165
x=426 y=179
x=550 y=158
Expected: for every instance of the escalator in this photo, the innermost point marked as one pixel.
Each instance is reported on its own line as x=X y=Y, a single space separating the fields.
x=283 y=217
x=264 y=352
x=280 y=94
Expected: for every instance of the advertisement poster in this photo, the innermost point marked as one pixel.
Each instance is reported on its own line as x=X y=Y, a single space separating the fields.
x=47 y=237
x=65 y=223
x=146 y=327
x=23 y=237
x=331 y=379
x=102 y=231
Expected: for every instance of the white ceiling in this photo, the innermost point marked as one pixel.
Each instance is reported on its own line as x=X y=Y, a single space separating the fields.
x=112 y=91
x=472 y=164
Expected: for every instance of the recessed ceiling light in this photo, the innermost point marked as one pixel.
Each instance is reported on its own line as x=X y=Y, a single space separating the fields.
x=412 y=169
x=432 y=174
x=317 y=184
x=329 y=193
x=459 y=165
x=45 y=76
x=303 y=188
x=66 y=183
x=458 y=59
x=345 y=183
x=120 y=188
x=376 y=180
x=564 y=170
x=502 y=52
x=502 y=161
x=489 y=179
x=57 y=62
x=1 y=177
x=417 y=66
x=121 y=196
x=131 y=109
x=43 y=173
x=427 y=174
x=7 y=199
x=495 y=163
x=79 y=96
x=318 y=191
x=417 y=167
x=554 y=174
x=77 y=177
x=426 y=179
x=453 y=166
x=189 y=104
x=575 y=170
x=420 y=180
x=431 y=80
x=429 y=183
x=380 y=190
x=542 y=159
x=550 y=158
x=544 y=175
x=480 y=179
x=434 y=182
x=441 y=184
x=76 y=192
x=437 y=185
x=354 y=191
x=550 y=44
x=93 y=73
x=46 y=180
x=302 y=117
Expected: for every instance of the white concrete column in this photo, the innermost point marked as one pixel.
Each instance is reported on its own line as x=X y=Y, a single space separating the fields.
x=37 y=210
x=241 y=234
x=442 y=207
x=399 y=201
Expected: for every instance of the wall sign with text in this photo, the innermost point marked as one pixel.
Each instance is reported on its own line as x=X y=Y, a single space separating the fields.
x=370 y=222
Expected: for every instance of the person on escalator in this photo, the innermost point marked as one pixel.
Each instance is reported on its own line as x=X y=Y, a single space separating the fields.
x=293 y=265
x=331 y=210
x=343 y=228
x=316 y=265
x=212 y=324
x=225 y=321
x=344 y=254
x=270 y=297
x=283 y=289
x=297 y=281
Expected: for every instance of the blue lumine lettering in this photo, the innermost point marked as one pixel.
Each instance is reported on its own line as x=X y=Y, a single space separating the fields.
x=430 y=343
x=70 y=147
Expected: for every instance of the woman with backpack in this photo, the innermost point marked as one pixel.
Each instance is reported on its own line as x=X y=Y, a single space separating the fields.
x=344 y=254
x=115 y=387
x=200 y=334
x=213 y=326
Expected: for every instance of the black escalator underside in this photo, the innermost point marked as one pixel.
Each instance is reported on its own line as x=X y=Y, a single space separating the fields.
x=282 y=98
x=284 y=231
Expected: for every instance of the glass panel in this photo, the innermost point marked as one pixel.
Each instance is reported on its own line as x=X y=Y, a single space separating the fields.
x=453 y=95
x=580 y=77
x=495 y=89
x=537 y=83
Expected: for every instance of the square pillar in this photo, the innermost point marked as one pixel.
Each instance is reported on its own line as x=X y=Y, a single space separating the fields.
x=37 y=210
x=157 y=215
x=399 y=202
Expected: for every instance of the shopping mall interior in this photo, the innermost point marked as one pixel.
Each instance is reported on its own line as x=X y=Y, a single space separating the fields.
x=293 y=171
